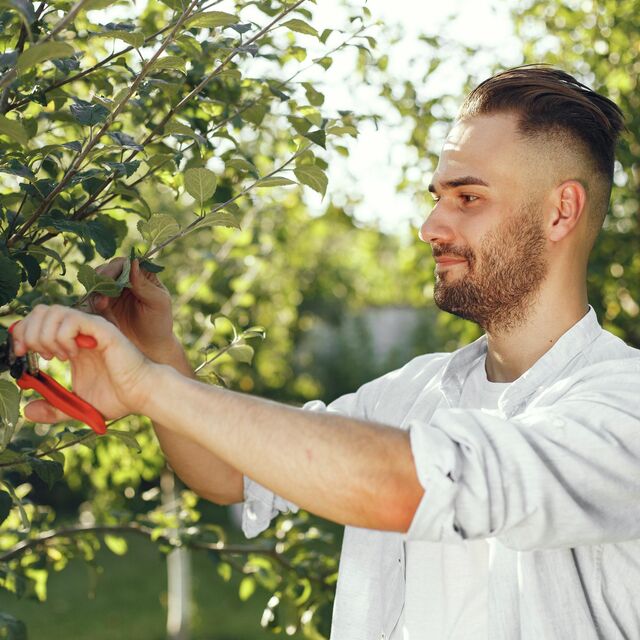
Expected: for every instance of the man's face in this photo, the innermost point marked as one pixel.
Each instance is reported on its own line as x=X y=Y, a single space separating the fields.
x=486 y=229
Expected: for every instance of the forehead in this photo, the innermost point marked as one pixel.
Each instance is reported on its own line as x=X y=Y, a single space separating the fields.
x=487 y=147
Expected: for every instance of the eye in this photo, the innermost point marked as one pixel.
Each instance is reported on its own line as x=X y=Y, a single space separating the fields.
x=468 y=198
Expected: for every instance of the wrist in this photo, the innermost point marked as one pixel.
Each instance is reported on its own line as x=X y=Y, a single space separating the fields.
x=163 y=381
x=171 y=353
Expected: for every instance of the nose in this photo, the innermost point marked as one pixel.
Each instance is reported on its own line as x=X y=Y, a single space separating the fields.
x=436 y=229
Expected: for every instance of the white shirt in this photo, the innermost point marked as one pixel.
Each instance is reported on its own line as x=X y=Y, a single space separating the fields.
x=446 y=585
x=551 y=480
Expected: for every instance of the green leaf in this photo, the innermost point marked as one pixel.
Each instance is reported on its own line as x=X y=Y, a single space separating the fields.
x=147 y=265
x=31 y=267
x=314 y=97
x=219 y=219
x=134 y=38
x=48 y=471
x=5 y=505
x=176 y=128
x=87 y=113
x=246 y=588
x=241 y=353
x=41 y=52
x=9 y=279
x=20 y=463
x=274 y=181
x=11 y=628
x=127 y=438
x=17 y=168
x=9 y=402
x=254 y=114
x=325 y=62
x=300 y=26
x=125 y=140
x=97 y=283
x=242 y=165
x=158 y=228
x=224 y=571
x=176 y=63
x=319 y=137
x=23 y=7
x=14 y=130
x=212 y=19
x=116 y=544
x=124 y=277
x=200 y=183
x=340 y=130
x=313 y=177
x=40 y=253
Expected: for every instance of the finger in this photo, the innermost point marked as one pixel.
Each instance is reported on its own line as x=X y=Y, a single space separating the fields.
x=49 y=332
x=42 y=411
x=146 y=286
x=76 y=322
x=32 y=330
x=99 y=303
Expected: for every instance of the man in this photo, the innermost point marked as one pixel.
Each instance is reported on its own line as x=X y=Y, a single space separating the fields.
x=489 y=493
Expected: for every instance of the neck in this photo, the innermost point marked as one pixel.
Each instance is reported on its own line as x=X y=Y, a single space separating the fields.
x=510 y=354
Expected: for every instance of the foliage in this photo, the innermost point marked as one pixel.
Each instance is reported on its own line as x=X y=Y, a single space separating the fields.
x=125 y=138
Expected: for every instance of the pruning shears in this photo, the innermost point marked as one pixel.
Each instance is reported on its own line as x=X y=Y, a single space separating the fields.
x=28 y=376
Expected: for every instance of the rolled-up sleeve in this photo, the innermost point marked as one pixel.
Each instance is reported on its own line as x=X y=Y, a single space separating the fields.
x=260 y=506
x=562 y=475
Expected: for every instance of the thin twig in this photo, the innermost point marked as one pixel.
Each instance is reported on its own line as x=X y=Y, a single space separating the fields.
x=157 y=128
x=46 y=203
x=193 y=225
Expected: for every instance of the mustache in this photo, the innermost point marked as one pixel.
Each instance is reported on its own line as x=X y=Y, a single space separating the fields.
x=453 y=251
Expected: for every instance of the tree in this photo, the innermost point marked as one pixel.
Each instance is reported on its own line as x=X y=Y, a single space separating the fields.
x=195 y=112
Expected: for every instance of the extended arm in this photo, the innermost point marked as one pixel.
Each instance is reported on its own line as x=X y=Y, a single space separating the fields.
x=349 y=471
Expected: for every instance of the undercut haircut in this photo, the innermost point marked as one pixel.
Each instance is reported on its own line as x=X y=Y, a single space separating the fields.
x=549 y=102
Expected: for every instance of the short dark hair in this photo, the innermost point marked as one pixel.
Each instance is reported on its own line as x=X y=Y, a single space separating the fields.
x=546 y=101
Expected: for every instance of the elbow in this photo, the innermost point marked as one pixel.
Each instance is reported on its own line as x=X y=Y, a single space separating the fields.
x=400 y=506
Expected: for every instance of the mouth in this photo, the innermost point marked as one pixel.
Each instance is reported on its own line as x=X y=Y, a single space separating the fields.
x=448 y=262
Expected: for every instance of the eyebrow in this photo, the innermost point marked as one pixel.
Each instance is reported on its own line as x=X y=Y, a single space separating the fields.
x=459 y=182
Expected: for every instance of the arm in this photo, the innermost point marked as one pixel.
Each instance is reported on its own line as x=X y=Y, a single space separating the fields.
x=342 y=468
x=143 y=314
x=334 y=466
x=563 y=473
x=203 y=471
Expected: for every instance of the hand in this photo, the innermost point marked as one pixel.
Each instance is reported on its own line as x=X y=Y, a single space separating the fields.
x=114 y=376
x=142 y=312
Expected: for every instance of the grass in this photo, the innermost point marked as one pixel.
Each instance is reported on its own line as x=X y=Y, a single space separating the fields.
x=130 y=601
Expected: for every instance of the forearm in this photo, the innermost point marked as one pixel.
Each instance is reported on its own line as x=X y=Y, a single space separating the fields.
x=196 y=466
x=346 y=470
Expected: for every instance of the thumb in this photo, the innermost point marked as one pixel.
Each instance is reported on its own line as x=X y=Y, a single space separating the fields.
x=145 y=285
x=42 y=411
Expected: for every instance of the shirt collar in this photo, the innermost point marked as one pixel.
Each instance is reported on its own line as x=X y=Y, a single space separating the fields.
x=572 y=343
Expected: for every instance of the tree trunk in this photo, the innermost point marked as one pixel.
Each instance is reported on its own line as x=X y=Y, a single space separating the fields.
x=178 y=571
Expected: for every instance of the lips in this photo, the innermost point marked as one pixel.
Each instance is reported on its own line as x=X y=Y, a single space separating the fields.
x=445 y=260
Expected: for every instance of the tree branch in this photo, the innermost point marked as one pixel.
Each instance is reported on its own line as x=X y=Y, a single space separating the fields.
x=46 y=203
x=193 y=225
x=44 y=538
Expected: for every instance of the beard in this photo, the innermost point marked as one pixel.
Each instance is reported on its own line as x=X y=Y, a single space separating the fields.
x=502 y=280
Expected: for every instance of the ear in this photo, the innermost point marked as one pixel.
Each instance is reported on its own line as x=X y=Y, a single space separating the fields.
x=569 y=205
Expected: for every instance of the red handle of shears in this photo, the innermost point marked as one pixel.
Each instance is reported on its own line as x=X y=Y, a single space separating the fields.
x=62 y=398
x=74 y=406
